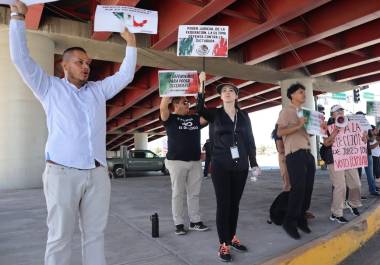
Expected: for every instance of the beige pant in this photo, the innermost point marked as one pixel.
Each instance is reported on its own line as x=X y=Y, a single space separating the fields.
x=186 y=177
x=284 y=172
x=71 y=192
x=341 y=179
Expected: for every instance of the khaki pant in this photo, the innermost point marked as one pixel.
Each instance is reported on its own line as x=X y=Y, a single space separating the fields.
x=186 y=177
x=340 y=180
x=71 y=192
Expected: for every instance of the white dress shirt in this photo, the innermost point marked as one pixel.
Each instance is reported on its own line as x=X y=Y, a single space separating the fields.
x=76 y=118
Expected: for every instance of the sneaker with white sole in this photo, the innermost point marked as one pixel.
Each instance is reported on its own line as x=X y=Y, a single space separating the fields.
x=353 y=210
x=339 y=219
x=198 y=226
x=180 y=229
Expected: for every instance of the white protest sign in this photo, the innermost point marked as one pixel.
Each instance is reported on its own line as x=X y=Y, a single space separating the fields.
x=349 y=150
x=314 y=122
x=178 y=83
x=202 y=41
x=373 y=108
x=26 y=2
x=362 y=120
x=116 y=18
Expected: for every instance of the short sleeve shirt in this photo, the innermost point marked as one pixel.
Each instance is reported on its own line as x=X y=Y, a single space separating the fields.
x=184 y=137
x=298 y=139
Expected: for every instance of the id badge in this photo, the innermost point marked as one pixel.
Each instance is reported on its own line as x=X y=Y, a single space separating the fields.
x=234 y=152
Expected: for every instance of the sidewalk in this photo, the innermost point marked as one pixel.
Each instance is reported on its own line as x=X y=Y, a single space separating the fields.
x=128 y=235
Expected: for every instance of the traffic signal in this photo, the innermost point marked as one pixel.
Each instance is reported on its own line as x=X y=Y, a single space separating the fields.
x=356 y=95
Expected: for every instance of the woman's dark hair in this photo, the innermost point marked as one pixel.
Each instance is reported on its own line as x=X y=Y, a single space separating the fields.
x=274 y=135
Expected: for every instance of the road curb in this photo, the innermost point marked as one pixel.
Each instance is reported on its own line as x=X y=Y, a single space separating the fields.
x=337 y=245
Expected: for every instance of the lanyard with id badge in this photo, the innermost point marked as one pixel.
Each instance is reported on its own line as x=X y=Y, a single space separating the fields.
x=234 y=149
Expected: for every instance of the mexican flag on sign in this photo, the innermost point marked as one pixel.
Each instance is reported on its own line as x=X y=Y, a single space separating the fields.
x=178 y=83
x=202 y=41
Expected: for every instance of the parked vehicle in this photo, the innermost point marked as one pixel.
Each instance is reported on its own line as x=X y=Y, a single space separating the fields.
x=135 y=160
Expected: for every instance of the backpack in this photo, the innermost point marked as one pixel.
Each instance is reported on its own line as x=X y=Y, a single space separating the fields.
x=279 y=208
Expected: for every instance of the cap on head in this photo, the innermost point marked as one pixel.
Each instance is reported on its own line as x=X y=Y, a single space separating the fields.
x=336 y=108
x=293 y=88
x=360 y=113
x=221 y=85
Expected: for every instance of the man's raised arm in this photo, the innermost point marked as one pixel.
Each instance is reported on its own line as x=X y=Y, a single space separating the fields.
x=115 y=83
x=32 y=74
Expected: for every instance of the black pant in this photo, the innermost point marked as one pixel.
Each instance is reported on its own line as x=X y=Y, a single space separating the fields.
x=229 y=186
x=301 y=168
x=376 y=166
x=207 y=165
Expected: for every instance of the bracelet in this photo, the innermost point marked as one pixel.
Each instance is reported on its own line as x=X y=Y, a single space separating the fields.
x=15 y=14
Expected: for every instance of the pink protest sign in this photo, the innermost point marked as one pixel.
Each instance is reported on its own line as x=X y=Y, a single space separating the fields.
x=349 y=150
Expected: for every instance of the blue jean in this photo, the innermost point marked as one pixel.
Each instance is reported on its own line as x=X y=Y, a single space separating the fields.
x=369 y=174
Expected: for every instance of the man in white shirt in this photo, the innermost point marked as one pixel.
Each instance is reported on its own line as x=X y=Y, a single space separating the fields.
x=75 y=179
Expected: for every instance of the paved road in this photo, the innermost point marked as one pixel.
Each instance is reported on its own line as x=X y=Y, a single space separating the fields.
x=369 y=254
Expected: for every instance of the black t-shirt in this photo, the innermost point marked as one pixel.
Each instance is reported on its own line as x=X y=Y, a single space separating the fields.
x=184 y=137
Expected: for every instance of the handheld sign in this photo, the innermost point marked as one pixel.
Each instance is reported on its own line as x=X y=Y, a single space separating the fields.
x=116 y=18
x=178 y=83
x=202 y=41
x=373 y=108
x=362 y=120
x=314 y=122
x=26 y=2
x=349 y=150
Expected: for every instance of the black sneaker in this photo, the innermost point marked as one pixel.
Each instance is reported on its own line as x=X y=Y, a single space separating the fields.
x=198 y=226
x=235 y=244
x=180 y=230
x=340 y=219
x=364 y=198
x=291 y=231
x=224 y=253
x=353 y=210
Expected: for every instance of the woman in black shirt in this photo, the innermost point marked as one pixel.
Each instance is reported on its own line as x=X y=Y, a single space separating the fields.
x=232 y=146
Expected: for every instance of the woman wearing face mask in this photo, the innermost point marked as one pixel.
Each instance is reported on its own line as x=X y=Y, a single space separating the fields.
x=233 y=150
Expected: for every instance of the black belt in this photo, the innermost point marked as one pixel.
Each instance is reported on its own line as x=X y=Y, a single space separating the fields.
x=300 y=150
x=97 y=164
x=305 y=150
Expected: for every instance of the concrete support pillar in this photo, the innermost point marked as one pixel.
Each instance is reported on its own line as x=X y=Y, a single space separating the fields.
x=308 y=83
x=141 y=141
x=23 y=130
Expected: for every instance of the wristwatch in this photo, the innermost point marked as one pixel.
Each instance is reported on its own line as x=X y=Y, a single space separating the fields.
x=16 y=14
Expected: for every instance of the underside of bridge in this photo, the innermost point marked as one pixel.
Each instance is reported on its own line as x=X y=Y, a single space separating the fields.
x=337 y=43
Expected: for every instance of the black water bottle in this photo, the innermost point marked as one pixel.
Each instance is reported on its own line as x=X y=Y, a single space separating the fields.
x=155 y=225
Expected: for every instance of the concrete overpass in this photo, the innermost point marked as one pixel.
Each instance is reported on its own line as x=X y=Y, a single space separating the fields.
x=333 y=45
